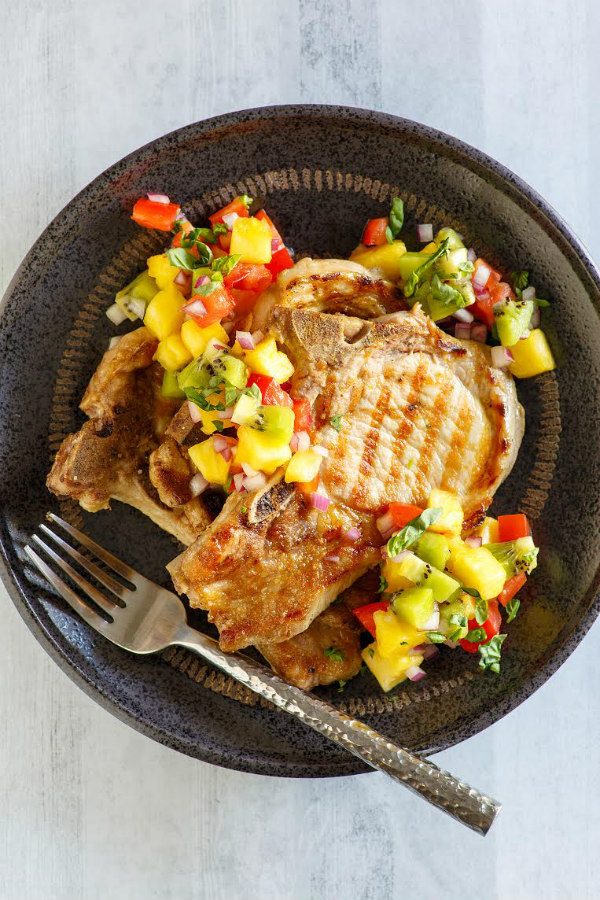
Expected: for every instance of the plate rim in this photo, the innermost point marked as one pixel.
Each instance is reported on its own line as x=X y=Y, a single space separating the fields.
x=535 y=206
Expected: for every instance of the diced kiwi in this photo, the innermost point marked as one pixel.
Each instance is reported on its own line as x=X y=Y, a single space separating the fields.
x=515 y=556
x=455 y=241
x=415 y=606
x=454 y=620
x=423 y=574
x=223 y=366
x=408 y=262
x=170 y=387
x=512 y=319
x=433 y=549
x=273 y=419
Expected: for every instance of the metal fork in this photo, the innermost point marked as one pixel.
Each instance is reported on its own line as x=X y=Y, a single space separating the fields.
x=145 y=618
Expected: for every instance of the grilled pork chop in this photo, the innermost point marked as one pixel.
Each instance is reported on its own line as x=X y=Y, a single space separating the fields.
x=108 y=458
x=417 y=410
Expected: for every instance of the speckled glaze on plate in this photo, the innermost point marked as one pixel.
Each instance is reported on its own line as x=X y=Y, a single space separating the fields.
x=323 y=171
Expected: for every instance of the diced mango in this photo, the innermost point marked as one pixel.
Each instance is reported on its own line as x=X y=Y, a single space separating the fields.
x=208 y=419
x=452 y=515
x=476 y=567
x=266 y=359
x=161 y=270
x=488 y=531
x=393 y=635
x=388 y=672
x=210 y=463
x=532 y=355
x=261 y=450
x=164 y=315
x=196 y=338
x=385 y=257
x=429 y=248
x=251 y=238
x=172 y=353
x=303 y=466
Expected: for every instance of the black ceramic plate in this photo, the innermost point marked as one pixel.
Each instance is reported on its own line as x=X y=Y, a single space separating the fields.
x=323 y=172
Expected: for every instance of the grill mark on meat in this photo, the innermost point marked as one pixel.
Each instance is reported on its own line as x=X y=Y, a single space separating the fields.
x=433 y=428
x=406 y=425
x=380 y=409
x=455 y=457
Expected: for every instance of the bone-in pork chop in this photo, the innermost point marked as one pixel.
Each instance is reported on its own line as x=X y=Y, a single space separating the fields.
x=108 y=458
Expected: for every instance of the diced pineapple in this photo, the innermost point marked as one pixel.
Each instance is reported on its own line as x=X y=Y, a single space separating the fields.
x=303 y=466
x=394 y=635
x=208 y=420
x=245 y=409
x=415 y=606
x=210 y=463
x=266 y=359
x=532 y=355
x=263 y=451
x=385 y=258
x=429 y=248
x=488 y=531
x=172 y=353
x=476 y=567
x=397 y=574
x=170 y=388
x=196 y=338
x=452 y=515
x=164 y=315
x=161 y=270
x=391 y=671
x=251 y=238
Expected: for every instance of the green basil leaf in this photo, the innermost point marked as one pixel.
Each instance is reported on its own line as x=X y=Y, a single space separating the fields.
x=436 y=637
x=336 y=422
x=412 y=531
x=205 y=289
x=413 y=280
x=519 y=280
x=198 y=235
x=491 y=652
x=382 y=585
x=472 y=593
x=512 y=608
x=542 y=303
x=446 y=294
x=396 y=216
x=481 y=611
x=224 y=264
x=334 y=654
x=475 y=635
x=183 y=259
x=219 y=228
x=389 y=235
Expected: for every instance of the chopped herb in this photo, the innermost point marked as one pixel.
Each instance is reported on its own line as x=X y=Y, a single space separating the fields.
x=414 y=279
x=460 y=622
x=436 y=637
x=246 y=200
x=198 y=235
x=224 y=264
x=219 y=425
x=410 y=463
x=371 y=652
x=481 y=611
x=204 y=290
x=472 y=593
x=219 y=228
x=334 y=654
x=475 y=635
x=227 y=485
x=542 y=303
x=446 y=294
x=396 y=219
x=382 y=585
x=336 y=422
x=519 y=281
x=412 y=531
x=252 y=391
x=466 y=268
x=363 y=669
x=341 y=685
x=491 y=652
x=244 y=510
x=512 y=608
x=183 y=259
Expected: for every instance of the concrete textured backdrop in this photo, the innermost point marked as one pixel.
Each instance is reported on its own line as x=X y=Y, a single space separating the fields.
x=90 y=809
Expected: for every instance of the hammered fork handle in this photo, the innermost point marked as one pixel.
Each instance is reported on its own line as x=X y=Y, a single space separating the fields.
x=440 y=788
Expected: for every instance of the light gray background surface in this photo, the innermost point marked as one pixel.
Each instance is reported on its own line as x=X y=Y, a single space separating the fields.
x=91 y=809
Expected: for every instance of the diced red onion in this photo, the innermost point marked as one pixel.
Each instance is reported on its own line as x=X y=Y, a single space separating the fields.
x=479 y=333
x=219 y=442
x=182 y=277
x=203 y=279
x=137 y=307
x=525 y=335
x=249 y=471
x=302 y=440
x=536 y=318
x=385 y=523
x=226 y=454
x=198 y=484
x=501 y=357
x=225 y=413
x=473 y=541
x=194 y=411
x=429 y=651
x=229 y=219
x=113 y=342
x=115 y=314
x=353 y=534
x=158 y=198
x=245 y=340
x=425 y=233
x=238 y=480
x=322 y=451
x=471 y=255
x=294 y=442
x=462 y=331
x=402 y=555
x=483 y=296
x=528 y=293
x=463 y=315
x=257 y=337
x=481 y=276
x=195 y=308
x=415 y=673
x=433 y=621
x=257 y=481
x=318 y=501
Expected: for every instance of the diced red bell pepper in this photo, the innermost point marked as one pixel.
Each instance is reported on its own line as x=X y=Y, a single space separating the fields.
x=403 y=513
x=483 y=309
x=511 y=588
x=151 y=214
x=185 y=228
x=510 y=528
x=225 y=242
x=237 y=205
x=364 y=614
x=244 y=301
x=374 y=232
x=271 y=392
x=501 y=291
x=248 y=277
x=491 y=626
x=218 y=304
x=281 y=258
x=303 y=420
x=277 y=240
